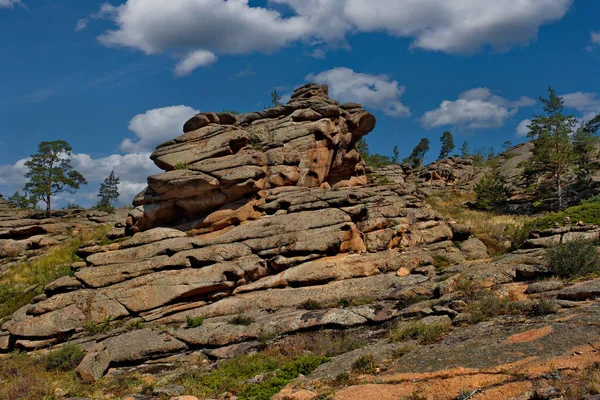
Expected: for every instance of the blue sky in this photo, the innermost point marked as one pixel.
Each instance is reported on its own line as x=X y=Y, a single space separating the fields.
x=115 y=79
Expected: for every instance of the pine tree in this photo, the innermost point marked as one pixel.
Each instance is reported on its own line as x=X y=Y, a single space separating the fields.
x=553 y=153
x=491 y=191
x=447 y=145
x=108 y=193
x=50 y=172
x=23 y=201
x=464 y=150
x=415 y=159
x=275 y=98
x=396 y=156
x=507 y=145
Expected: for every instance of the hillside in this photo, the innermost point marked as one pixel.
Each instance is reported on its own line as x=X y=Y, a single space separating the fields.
x=263 y=264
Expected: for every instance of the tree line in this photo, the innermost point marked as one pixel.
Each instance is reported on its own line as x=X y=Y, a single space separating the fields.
x=50 y=172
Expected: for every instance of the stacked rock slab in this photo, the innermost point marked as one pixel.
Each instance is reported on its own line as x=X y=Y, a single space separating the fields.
x=222 y=158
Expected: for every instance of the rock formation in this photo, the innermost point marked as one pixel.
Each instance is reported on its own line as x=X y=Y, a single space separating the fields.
x=222 y=158
x=271 y=224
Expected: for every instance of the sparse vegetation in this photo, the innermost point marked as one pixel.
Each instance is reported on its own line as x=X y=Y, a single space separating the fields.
x=64 y=359
x=96 y=328
x=193 y=322
x=403 y=349
x=418 y=330
x=497 y=231
x=365 y=364
x=573 y=259
x=181 y=165
x=21 y=283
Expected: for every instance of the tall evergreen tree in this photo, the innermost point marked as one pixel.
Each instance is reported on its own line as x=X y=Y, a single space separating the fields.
x=447 y=145
x=415 y=159
x=553 y=153
x=396 y=155
x=464 y=150
x=50 y=172
x=108 y=193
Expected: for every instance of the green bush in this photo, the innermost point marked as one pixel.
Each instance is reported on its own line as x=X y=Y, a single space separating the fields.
x=491 y=191
x=418 y=330
x=588 y=212
x=573 y=259
x=241 y=319
x=271 y=385
x=544 y=307
x=193 y=322
x=311 y=304
x=96 y=328
x=66 y=358
x=364 y=364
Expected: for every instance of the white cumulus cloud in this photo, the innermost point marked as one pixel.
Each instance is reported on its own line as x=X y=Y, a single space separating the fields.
x=522 y=128
x=198 y=58
x=477 y=108
x=373 y=91
x=9 y=3
x=183 y=27
x=586 y=103
x=156 y=126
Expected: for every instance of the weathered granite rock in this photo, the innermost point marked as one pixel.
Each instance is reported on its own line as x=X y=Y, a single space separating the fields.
x=95 y=363
x=221 y=158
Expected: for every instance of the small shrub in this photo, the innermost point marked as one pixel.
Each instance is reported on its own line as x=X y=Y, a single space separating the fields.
x=468 y=288
x=573 y=259
x=147 y=389
x=241 y=319
x=191 y=322
x=96 y=328
x=402 y=350
x=441 y=261
x=311 y=304
x=415 y=395
x=488 y=306
x=365 y=364
x=136 y=325
x=544 y=307
x=66 y=358
x=181 y=165
x=343 y=303
x=418 y=330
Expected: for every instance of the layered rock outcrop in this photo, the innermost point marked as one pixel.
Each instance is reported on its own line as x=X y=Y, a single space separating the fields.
x=267 y=222
x=222 y=158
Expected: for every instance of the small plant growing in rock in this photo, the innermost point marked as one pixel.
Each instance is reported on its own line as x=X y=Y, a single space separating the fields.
x=311 y=304
x=181 y=165
x=365 y=364
x=402 y=349
x=192 y=322
x=545 y=306
x=241 y=319
x=136 y=325
x=96 y=328
x=418 y=330
x=64 y=359
x=257 y=138
x=573 y=259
